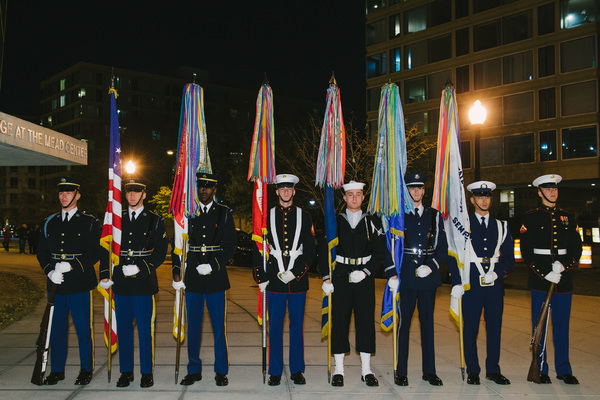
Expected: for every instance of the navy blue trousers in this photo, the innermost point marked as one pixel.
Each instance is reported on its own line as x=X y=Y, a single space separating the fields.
x=560 y=313
x=215 y=304
x=277 y=304
x=142 y=308
x=80 y=307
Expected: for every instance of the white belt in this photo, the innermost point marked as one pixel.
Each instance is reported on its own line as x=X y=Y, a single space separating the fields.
x=485 y=260
x=352 y=261
x=548 y=252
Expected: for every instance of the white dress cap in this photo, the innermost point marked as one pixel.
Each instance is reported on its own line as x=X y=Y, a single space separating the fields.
x=353 y=185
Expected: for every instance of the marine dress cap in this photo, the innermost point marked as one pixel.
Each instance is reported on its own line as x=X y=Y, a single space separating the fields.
x=547 y=181
x=206 y=180
x=134 y=185
x=416 y=179
x=286 y=180
x=353 y=185
x=68 y=184
x=481 y=188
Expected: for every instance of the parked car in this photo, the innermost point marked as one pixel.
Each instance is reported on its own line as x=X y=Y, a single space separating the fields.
x=243 y=254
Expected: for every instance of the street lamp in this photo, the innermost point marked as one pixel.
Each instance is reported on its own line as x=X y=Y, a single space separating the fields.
x=130 y=167
x=477 y=116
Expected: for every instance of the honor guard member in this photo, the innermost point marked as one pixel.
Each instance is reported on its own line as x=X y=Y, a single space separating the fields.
x=68 y=249
x=492 y=256
x=291 y=252
x=425 y=248
x=144 y=245
x=212 y=242
x=551 y=247
x=359 y=254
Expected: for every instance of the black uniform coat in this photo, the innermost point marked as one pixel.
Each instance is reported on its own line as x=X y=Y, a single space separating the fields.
x=285 y=223
x=80 y=235
x=551 y=229
x=146 y=232
x=215 y=228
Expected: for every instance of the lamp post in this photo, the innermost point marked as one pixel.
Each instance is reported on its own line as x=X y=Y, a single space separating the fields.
x=477 y=115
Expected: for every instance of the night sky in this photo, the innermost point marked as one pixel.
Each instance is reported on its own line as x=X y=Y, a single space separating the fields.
x=296 y=43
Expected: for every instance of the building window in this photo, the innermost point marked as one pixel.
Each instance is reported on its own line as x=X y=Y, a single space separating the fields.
x=414 y=90
x=518 y=108
x=548 y=145
x=461 y=8
x=416 y=120
x=14 y=169
x=81 y=93
x=31 y=183
x=486 y=36
x=373 y=95
x=579 y=142
x=578 y=98
x=462 y=79
x=547 y=103
x=432 y=122
x=436 y=83
x=465 y=153
x=546 y=61
x=517 y=67
x=518 y=149
x=439 y=48
x=394 y=26
x=395 y=57
x=487 y=74
x=373 y=129
x=375 y=32
x=491 y=151
x=62 y=84
x=517 y=27
x=462 y=41
x=575 y=13
x=578 y=54
x=54 y=104
x=415 y=20
x=62 y=100
x=31 y=169
x=376 y=65
x=415 y=54
x=546 y=19
x=14 y=182
x=374 y=5
x=479 y=6
x=439 y=12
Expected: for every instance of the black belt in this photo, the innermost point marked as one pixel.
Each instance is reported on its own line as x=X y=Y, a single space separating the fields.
x=56 y=256
x=136 y=253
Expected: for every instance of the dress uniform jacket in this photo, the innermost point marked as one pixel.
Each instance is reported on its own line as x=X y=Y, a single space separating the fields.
x=551 y=231
x=143 y=243
x=213 y=240
x=76 y=242
x=285 y=225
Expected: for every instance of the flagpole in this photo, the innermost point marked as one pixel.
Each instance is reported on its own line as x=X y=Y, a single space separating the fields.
x=264 y=314
x=181 y=308
x=329 y=299
x=394 y=318
x=110 y=307
x=461 y=339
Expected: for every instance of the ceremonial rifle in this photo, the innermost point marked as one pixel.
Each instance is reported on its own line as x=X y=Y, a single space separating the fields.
x=534 y=374
x=181 y=308
x=43 y=341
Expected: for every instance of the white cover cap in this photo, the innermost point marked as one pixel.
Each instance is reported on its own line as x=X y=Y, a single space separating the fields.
x=551 y=179
x=286 y=178
x=353 y=185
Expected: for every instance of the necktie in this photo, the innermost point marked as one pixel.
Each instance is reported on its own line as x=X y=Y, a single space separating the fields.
x=417 y=213
x=66 y=217
x=483 y=222
x=133 y=215
x=204 y=209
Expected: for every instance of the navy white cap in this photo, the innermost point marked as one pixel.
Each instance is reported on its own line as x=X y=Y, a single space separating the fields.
x=286 y=180
x=481 y=188
x=550 y=180
x=415 y=179
x=68 y=184
x=353 y=185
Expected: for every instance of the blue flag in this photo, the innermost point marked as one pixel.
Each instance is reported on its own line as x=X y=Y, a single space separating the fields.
x=332 y=241
x=395 y=242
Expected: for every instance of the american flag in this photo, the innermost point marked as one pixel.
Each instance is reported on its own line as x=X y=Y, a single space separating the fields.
x=111 y=230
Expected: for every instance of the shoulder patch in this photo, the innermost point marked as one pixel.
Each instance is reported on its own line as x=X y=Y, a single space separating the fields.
x=523 y=229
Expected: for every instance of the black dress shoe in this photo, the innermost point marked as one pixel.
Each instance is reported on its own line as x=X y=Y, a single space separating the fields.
x=473 y=379
x=370 y=380
x=498 y=378
x=84 y=377
x=54 y=377
x=401 y=380
x=125 y=379
x=568 y=379
x=147 y=381
x=337 y=380
x=298 y=378
x=221 y=379
x=190 y=379
x=274 y=380
x=433 y=379
x=544 y=378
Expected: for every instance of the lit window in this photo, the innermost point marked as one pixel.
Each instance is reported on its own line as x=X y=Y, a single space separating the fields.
x=579 y=142
x=62 y=84
x=376 y=65
x=62 y=100
x=548 y=145
x=577 y=12
x=81 y=93
x=395 y=57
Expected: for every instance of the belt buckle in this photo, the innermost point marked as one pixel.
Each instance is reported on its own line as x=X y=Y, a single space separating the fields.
x=130 y=252
x=482 y=281
x=63 y=256
x=352 y=261
x=203 y=248
x=485 y=260
x=286 y=253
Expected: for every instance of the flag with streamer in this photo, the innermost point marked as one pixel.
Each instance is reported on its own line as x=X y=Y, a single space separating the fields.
x=111 y=229
x=192 y=157
x=448 y=191
x=388 y=191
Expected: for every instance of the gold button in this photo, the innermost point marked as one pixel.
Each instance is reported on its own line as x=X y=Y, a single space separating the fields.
x=62 y=234
x=485 y=248
x=203 y=236
x=485 y=239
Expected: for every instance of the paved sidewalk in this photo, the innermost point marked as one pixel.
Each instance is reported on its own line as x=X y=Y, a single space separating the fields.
x=17 y=352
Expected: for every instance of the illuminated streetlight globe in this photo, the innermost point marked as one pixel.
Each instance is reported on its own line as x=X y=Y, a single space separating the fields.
x=477 y=113
x=130 y=167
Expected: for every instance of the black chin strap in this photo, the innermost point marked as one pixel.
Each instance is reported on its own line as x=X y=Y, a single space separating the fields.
x=544 y=196
x=481 y=209
x=136 y=204
x=72 y=200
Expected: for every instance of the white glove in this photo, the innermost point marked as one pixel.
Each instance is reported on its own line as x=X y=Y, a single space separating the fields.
x=457 y=291
x=263 y=286
x=130 y=270
x=204 y=269
x=393 y=284
x=553 y=277
x=286 y=276
x=105 y=284
x=490 y=277
x=63 y=267
x=423 y=271
x=357 y=276
x=557 y=267
x=178 y=285
x=56 y=277
x=327 y=287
